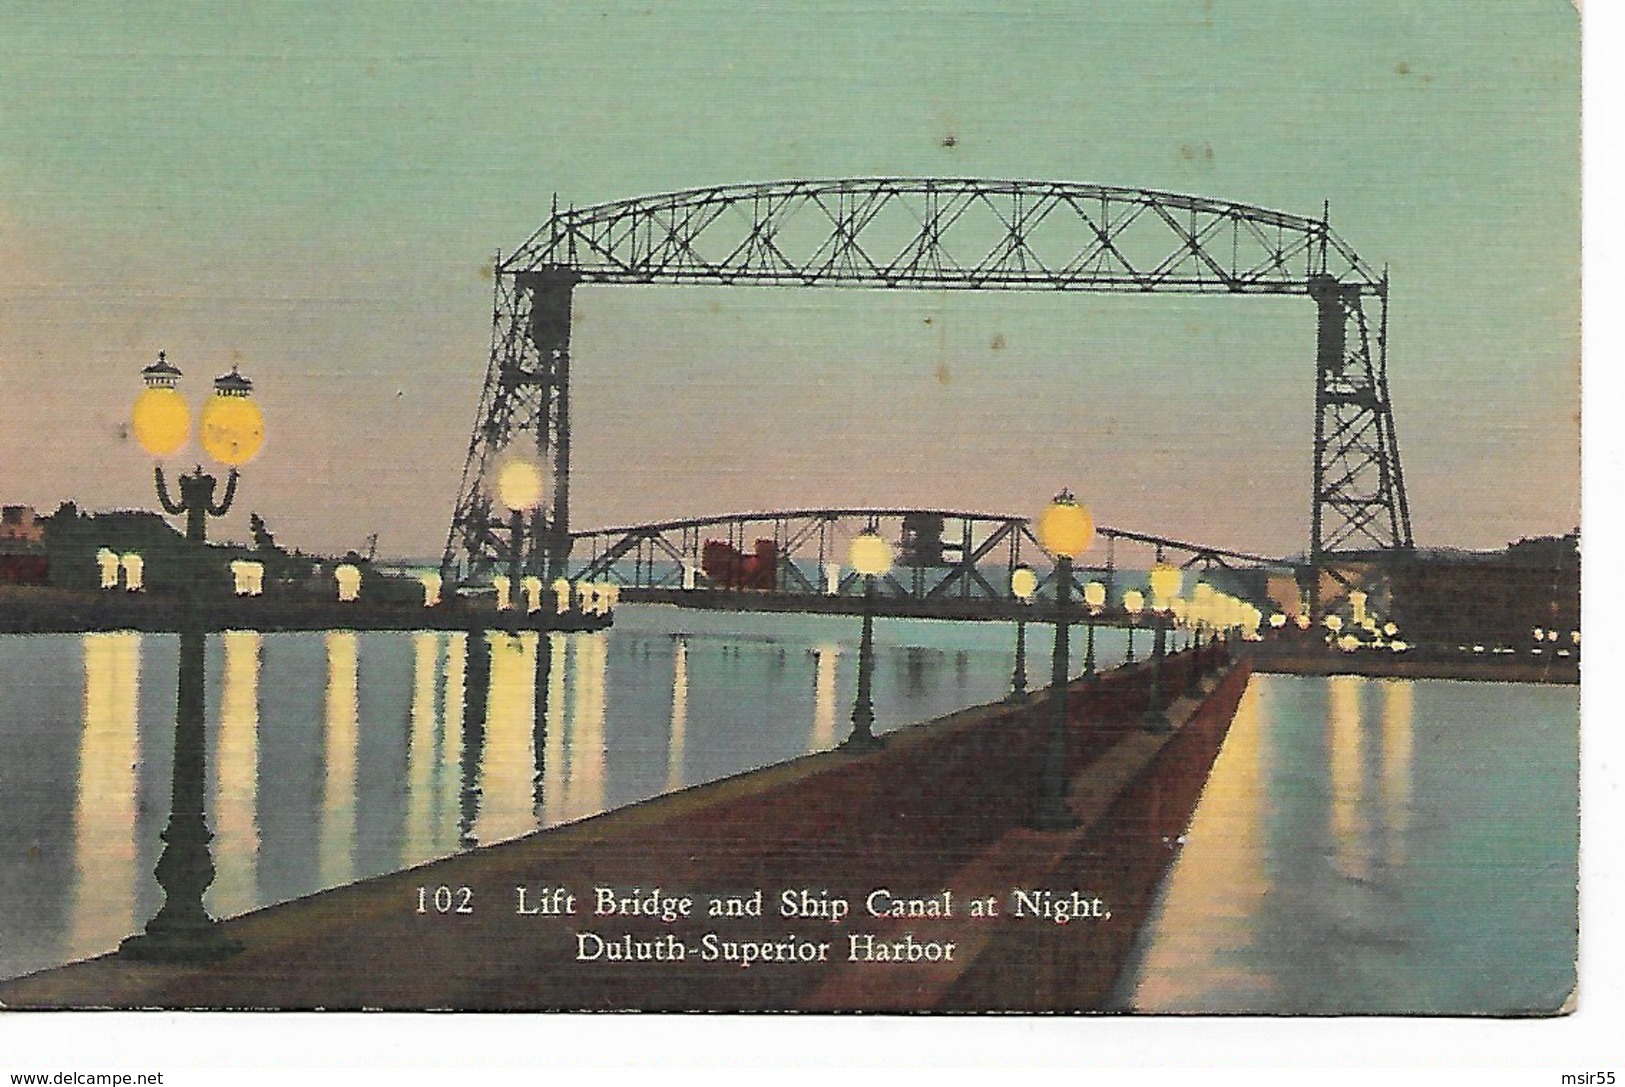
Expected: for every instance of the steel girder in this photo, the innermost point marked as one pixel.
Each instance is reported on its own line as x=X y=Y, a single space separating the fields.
x=809 y=544
x=936 y=234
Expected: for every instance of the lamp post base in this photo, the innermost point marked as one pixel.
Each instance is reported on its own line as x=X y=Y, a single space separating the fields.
x=202 y=943
x=1053 y=815
x=1156 y=721
x=862 y=743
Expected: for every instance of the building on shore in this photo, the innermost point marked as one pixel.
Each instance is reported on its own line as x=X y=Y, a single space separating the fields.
x=1494 y=599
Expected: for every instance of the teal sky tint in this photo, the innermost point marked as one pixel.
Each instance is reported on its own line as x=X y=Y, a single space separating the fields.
x=315 y=191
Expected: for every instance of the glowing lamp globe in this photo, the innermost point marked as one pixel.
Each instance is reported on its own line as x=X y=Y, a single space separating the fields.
x=1334 y=623
x=869 y=555
x=161 y=420
x=231 y=427
x=519 y=484
x=1133 y=601
x=1390 y=629
x=1023 y=582
x=1065 y=528
x=1277 y=621
x=1094 y=594
x=1165 y=584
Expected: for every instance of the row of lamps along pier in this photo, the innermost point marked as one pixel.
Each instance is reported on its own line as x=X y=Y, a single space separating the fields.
x=1065 y=530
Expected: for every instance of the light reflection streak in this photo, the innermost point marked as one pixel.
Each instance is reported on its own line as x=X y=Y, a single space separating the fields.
x=336 y=845
x=1397 y=737
x=584 y=789
x=823 y=733
x=679 y=717
x=104 y=813
x=449 y=745
x=508 y=758
x=1219 y=876
x=1347 y=776
x=235 y=889
x=553 y=756
x=417 y=844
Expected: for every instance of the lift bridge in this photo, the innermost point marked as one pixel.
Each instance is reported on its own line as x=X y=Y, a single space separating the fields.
x=948 y=564
x=936 y=234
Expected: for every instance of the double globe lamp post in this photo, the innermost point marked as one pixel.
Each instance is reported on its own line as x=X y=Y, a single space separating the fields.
x=231 y=430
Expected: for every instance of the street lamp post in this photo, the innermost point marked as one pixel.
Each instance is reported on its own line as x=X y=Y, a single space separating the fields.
x=519 y=485
x=1133 y=603
x=1065 y=530
x=1201 y=614
x=871 y=557
x=1023 y=583
x=1094 y=597
x=1165 y=585
x=231 y=429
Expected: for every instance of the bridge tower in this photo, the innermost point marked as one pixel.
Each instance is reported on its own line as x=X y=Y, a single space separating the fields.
x=1358 y=509
x=524 y=410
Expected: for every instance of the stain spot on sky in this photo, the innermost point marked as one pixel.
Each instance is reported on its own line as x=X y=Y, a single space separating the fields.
x=950 y=141
x=997 y=342
x=944 y=375
x=1197 y=152
x=486 y=272
x=1402 y=68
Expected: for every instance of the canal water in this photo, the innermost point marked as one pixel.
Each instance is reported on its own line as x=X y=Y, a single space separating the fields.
x=1363 y=845
x=1378 y=846
x=334 y=757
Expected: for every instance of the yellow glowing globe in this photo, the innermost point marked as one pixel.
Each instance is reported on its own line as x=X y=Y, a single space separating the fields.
x=162 y=421
x=1165 y=583
x=870 y=555
x=519 y=484
x=1066 y=529
x=1023 y=583
x=231 y=429
x=1094 y=594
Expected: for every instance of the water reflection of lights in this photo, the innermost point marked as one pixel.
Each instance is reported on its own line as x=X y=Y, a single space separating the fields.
x=553 y=742
x=507 y=764
x=336 y=848
x=679 y=716
x=236 y=766
x=823 y=733
x=417 y=844
x=1225 y=886
x=1397 y=695
x=104 y=813
x=1347 y=777
x=584 y=787
x=449 y=744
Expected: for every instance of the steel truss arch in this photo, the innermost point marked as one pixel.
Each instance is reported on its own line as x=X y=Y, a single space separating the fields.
x=936 y=234
x=959 y=567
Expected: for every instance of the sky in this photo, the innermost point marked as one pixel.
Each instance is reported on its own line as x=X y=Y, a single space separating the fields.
x=315 y=193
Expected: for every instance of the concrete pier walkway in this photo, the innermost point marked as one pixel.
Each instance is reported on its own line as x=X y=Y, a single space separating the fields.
x=902 y=880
